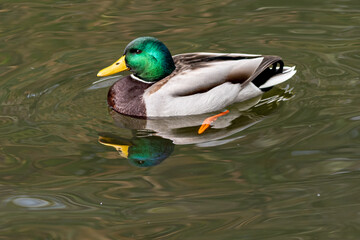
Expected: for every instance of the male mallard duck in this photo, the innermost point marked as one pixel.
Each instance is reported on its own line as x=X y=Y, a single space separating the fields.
x=188 y=84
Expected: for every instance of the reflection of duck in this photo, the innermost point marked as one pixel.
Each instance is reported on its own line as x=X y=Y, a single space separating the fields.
x=151 y=150
x=140 y=151
x=188 y=84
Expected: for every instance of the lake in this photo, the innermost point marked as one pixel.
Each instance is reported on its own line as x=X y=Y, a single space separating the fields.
x=282 y=167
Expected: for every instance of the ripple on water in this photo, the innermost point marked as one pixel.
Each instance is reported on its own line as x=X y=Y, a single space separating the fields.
x=34 y=203
x=327 y=71
x=6 y=121
x=356 y=118
x=308 y=31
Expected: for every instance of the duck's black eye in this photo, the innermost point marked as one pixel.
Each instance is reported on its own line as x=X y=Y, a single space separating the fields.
x=137 y=51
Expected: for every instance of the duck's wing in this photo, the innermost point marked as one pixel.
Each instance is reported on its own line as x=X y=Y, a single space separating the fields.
x=246 y=69
x=230 y=67
x=199 y=72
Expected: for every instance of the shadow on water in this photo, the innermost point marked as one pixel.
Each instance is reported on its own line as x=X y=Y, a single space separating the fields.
x=153 y=140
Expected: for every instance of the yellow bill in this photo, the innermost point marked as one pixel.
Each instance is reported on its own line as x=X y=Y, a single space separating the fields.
x=116 y=67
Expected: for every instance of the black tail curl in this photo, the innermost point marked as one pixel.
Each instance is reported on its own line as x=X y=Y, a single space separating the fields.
x=267 y=74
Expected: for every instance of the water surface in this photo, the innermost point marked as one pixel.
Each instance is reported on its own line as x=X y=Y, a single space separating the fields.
x=284 y=169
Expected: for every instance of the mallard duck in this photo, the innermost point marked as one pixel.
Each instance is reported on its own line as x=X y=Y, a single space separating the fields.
x=162 y=85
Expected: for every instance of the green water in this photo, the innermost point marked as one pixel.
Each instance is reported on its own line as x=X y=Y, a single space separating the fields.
x=286 y=168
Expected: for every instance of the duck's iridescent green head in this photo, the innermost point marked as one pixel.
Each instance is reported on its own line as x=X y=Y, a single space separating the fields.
x=147 y=57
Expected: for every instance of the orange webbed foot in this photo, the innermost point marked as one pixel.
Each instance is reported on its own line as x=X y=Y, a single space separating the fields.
x=206 y=123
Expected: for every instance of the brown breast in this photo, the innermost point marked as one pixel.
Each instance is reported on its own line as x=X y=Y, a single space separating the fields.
x=125 y=97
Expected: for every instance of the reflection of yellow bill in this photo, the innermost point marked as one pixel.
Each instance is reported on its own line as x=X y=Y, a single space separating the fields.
x=122 y=149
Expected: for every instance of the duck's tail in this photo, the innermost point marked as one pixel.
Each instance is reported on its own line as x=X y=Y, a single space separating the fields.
x=271 y=72
x=278 y=78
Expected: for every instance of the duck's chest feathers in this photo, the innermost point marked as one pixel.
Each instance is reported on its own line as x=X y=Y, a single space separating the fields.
x=126 y=97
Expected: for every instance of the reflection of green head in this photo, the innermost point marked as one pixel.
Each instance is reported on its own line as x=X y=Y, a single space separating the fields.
x=149 y=151
x=141 y=151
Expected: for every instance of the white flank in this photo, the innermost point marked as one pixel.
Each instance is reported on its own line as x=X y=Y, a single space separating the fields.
x=172 y=98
